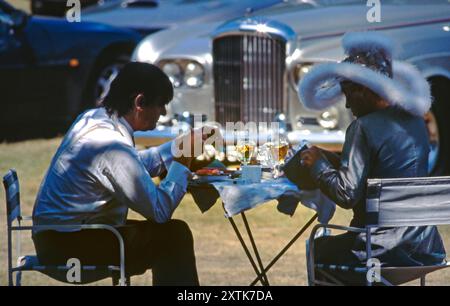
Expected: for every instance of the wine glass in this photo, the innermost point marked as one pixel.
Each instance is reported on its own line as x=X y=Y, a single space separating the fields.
x=245 y=149
x=264 y=155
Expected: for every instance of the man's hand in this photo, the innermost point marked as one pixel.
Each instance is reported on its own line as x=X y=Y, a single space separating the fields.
x=310 y=156
x=197 y=138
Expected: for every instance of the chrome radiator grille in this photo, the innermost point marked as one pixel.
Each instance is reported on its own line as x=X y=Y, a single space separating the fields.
x=248 y=78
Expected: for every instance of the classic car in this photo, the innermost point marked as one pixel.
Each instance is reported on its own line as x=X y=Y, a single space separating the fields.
x=149 y=16
x=248 y=69
x=51 y=69
x=55 y=7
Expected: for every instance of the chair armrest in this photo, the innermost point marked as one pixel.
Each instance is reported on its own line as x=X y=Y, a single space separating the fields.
x=337 y=227
x=64 y=227
x=110 y=228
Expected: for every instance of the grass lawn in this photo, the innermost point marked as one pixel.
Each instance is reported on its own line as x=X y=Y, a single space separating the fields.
x=220 y=258
x=21 y=4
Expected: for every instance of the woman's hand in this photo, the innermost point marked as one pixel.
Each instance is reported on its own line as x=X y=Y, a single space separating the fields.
x=333 y=158
x=310 y=156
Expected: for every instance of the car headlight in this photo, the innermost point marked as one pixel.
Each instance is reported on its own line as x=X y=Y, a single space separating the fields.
x=299 y=72
x=183 y=72
x=329 y=119
x=193 y=74
x=145 y=53
x=174 y=72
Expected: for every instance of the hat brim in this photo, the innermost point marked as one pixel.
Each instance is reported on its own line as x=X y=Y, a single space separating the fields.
x=320 y=88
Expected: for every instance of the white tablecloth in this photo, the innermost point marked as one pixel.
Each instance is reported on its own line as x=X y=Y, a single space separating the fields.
x=238 y=197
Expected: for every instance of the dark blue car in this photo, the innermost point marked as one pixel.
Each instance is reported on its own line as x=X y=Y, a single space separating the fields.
x=51 y=69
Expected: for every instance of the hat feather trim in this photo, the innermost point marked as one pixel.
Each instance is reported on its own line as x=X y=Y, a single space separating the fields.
x=320 y=88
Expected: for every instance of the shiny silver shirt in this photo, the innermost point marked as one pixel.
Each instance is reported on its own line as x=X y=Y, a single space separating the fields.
x=96 y=175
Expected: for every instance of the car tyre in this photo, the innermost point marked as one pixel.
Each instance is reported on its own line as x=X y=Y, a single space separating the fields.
x=104 y=73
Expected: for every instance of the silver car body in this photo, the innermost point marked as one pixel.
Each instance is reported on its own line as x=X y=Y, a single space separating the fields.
x=311 y=35
x=146 y=16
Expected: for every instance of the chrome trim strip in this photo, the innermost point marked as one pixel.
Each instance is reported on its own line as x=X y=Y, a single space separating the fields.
x=255 y=26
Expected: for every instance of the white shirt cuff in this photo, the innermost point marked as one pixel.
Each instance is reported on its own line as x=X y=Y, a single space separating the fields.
x=178 y=174
x=165 y=151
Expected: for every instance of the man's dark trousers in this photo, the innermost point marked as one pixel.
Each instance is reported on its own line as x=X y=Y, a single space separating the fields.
x=167 y=249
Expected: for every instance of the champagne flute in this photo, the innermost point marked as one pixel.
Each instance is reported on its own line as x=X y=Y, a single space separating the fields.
x=245 y=149
x=264 y=155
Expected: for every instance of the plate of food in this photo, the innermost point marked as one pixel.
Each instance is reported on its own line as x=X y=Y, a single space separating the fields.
x=208 y=175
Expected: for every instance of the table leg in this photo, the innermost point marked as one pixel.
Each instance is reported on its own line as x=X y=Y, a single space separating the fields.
x=255 y=249
x=244 y=246
x=284 y=250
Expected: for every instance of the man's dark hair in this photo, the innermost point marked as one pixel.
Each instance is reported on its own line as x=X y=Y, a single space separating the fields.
x=137 y=78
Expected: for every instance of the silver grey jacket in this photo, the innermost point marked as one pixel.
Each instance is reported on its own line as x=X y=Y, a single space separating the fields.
x=389 y=143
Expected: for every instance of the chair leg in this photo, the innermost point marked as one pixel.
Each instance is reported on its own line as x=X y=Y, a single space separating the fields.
x=116 y=278
x=19 y=278
x=10 y=278
x=311 y=280
x=423 y=281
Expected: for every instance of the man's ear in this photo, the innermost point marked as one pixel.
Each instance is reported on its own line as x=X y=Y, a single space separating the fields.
x=139 y=102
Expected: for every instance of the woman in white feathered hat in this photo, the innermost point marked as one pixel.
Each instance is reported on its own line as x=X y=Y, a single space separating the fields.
x=388 y=139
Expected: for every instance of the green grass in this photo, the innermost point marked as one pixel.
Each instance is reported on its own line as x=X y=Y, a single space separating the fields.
x=20 y=4
x=220 y=258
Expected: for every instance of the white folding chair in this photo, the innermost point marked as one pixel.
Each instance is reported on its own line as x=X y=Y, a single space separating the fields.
x=392 y=203
x=31 y=263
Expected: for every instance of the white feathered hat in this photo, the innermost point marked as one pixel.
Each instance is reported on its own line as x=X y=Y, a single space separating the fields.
x=398 y=83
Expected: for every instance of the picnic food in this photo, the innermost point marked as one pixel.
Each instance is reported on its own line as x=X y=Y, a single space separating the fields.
x=208 y=171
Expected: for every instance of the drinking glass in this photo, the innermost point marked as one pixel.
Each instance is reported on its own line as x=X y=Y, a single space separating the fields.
x=277 y=149
x=246 y=150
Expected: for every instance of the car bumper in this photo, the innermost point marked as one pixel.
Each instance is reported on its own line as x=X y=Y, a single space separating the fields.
x=329 y=140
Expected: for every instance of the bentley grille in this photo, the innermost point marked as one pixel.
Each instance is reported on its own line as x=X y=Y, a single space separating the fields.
x=248 y=78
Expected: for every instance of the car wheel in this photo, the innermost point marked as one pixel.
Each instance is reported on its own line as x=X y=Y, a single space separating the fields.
x=107 y=74
x=438 y=129
x=104 y=73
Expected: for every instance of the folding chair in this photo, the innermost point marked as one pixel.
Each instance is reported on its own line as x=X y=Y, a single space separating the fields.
x=31 y=263
x=392 y=203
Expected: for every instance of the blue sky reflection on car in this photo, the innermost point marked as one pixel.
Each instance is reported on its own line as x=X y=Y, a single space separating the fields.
x=147 y=16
